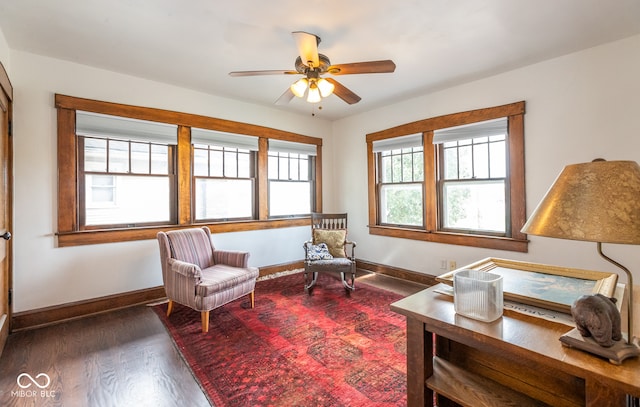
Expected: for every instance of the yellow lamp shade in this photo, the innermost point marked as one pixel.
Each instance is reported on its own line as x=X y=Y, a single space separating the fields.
x=314 y=94
x=326 y=87
x=595 y=202
x=299 y=87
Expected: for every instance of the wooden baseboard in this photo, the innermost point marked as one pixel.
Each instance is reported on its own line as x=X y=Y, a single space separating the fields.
x=50 y=315
x=403 y=274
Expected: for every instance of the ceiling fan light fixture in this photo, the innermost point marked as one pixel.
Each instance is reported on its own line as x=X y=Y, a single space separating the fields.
x=314 y=93
x=299 y=87
x=326 y=87
x=312 y=65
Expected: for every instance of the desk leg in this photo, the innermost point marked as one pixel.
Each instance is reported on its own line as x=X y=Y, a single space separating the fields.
x=419 y=363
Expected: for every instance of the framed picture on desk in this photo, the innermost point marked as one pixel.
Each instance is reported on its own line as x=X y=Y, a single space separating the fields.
x=550 y=287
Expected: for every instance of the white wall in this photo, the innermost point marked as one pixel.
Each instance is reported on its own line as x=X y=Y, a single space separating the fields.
x=45 y=275
x=578 y=107
x=4 y=52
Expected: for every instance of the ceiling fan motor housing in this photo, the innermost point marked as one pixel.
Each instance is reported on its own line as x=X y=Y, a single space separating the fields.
x=322 y=67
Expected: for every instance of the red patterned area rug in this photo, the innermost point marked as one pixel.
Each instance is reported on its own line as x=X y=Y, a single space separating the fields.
x=292 y=349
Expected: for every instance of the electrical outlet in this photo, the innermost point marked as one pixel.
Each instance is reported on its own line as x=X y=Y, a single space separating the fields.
x=452 y=265
x=443 y=264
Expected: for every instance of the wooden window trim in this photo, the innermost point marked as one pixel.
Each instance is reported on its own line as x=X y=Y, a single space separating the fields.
x=68 y=231
x=518 y=241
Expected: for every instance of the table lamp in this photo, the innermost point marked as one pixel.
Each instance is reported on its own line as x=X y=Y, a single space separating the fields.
x=597 y=202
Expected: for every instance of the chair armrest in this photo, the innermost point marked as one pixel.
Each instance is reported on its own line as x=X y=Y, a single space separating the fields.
x=231 y=258
x=353 y=248
x=181 y=281
x=185 y=269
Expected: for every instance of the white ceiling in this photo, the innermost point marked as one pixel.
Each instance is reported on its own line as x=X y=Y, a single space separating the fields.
x=196 y=43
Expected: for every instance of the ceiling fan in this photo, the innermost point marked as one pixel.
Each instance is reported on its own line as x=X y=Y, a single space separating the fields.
x=313 y=65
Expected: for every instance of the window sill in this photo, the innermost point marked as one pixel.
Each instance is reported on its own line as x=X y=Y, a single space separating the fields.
x=487 y=242
x=89 y=237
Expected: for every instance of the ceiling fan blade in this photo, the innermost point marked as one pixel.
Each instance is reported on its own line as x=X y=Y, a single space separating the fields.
x=343 y=93
x=258 y=73
x=307 y=47
x=285 y=97
x=385 y=66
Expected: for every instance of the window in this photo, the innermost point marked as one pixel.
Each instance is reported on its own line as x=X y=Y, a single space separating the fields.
x=223 y=175
x=462 y=184
x=472 y=178
x=400 y=181
x=291 y=178
x=126 y=172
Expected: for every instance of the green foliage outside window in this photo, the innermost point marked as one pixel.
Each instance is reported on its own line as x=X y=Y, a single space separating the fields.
x=404 y=206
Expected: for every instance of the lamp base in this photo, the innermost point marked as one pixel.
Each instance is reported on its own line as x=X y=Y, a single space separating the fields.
x=620 y=350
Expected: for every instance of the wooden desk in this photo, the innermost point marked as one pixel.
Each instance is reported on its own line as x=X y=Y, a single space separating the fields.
x=516 y=360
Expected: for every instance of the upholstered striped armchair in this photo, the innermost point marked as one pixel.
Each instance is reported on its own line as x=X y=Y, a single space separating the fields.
x=197 y=275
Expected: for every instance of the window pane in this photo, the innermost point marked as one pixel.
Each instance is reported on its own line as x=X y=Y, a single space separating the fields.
x=140 y=158
x=244 y=165
x=304 y=168
x=294 y=169
x=139 y=199
x=418 y=166
x=216 y=163
x=481 y=160
x=95 y=155
x=273 y=167
x=396 y=162
x=450 y=163
x=407 y=167
x=497 y=153
x=159 y=159
x=289 y=198
x=475 y=206
x=401 y=204
x=200 y=162
x=465 y=163
x=386 y=168
x=223 y=198
x=230 y=164
x=118 y=156
x=283 y=164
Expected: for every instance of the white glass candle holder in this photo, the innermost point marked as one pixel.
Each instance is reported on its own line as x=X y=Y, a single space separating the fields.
x=478 y=295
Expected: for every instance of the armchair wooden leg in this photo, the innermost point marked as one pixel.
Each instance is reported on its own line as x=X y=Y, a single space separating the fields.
x=252 y=296
x=205 y=321
x=169 y=308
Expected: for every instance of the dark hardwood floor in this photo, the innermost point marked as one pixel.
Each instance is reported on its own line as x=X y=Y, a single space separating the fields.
x=119 y=358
